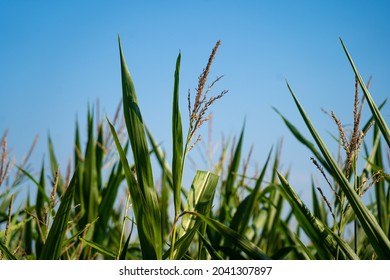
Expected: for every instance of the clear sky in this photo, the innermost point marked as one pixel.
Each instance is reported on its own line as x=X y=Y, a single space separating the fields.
x=58 y=56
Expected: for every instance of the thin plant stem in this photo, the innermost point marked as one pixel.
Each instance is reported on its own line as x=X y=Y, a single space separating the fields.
x=123 y=225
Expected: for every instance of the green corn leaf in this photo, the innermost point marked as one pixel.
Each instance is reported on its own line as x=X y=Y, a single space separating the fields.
x=99 y=248
x=240 y=212
x=210 y=249
x=240 y=241
x=305 y=250
x=318 y=207
x=299 y=136
x=136 y=130
x=89 y=181
x=301 y=251
x=274 y=206
x=183 y=243
x=241 y=218
x=40 y=208
x=28 y=237
x=165 y=202
x=200 y=199
x=99 y=155
x=231 y=178
x=54 y=166
x=41 y=188
x=318 y=232
x=177 y=141
x=78 y=163
x=77 y=146
x=160 y=158
x=145 y=183
x=374 y=109
x=106 y=205
x=233 y=170
x=126 y=246
x=145 y=222
x=371 y=119
x=313 y=227
x=374 y=163
x=375 y=234
x=349 y=252
x=6 y=252
x=53 y=246
x=283 y=252
x=271 y=228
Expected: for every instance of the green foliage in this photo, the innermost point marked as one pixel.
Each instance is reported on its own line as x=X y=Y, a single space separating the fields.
x=112 y=207
x=144 y=196
x=378 y=239
x=52 y=248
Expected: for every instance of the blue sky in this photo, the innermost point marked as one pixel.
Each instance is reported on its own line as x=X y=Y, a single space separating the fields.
x=56 y=57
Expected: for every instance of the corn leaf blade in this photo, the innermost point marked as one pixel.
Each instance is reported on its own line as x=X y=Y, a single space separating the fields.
x=240 y=241
x=143 y=217
x=99 y=248
x=145 y=183
x=373 y=107
x=231 y=178
x=6 y=252
x=200 y=199
x=177 y=140
x=53 y=246
x=299 y=136
x=315 y=229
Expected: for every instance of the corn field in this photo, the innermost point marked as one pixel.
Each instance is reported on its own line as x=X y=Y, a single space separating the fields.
x=113 y=204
